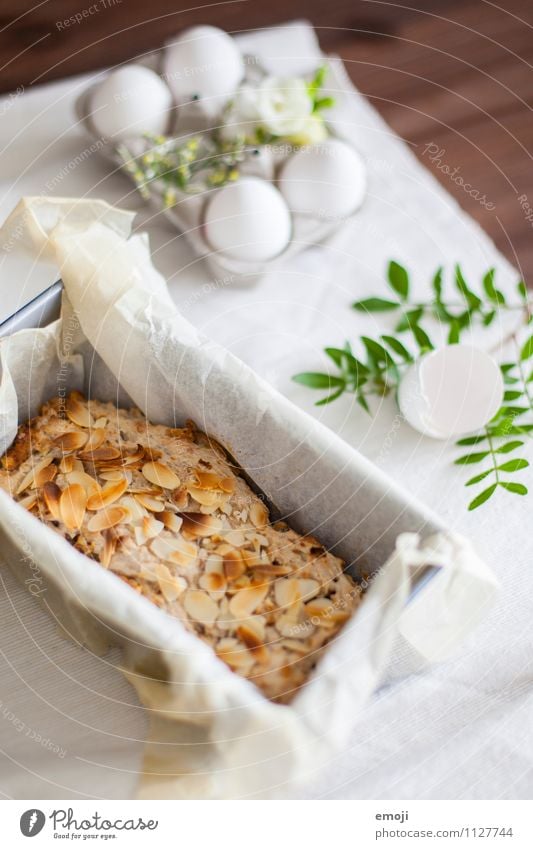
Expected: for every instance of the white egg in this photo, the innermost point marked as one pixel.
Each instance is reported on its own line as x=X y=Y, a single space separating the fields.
x=327 y=179
x=131 y=101
x=452 y=391
x=205 y=63
x=248 y=220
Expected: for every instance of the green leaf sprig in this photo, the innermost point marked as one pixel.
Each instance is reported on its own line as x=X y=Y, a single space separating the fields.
x=377 y=372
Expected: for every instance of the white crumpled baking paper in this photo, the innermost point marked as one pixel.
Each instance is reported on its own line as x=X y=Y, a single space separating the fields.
x=213 y=735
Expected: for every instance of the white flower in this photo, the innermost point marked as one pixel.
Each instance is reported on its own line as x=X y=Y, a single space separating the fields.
x=241 y=118
x=313 y=131
x=283 y=105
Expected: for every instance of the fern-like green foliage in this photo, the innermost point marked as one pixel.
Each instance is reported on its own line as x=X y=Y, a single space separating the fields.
x=378 y=371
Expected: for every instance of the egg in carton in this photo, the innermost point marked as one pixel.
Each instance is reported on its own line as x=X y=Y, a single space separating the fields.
x=286 y=196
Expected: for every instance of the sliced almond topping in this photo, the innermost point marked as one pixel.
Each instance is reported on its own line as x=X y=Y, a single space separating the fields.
x=287 y=592
x=153 y=504
x=72 y=505
x=110 y=545
x=151 y=527
x=323 y=612
x=171 y=521
x=212 y=481
x=108 y=518
x=101 y=422
x=247 y=600
x=51 y=495
x=206 y=498
x=43 y=475
x=213 y=582
x=258 y=514
x=308 y=588
x=272 y=570
x=137 y=512
x=29 y=477
x=235 y=654
x=67 y=464
x=29 y=501
x=288 y=627
x=234 y=565
x=96 y=437
x=71 y=441
x=100 y=455
x=108 y=495
x=77 y=411
x=201 y=607
x=171 y=585
x=160 y=475
x=115 y=475
x=295 y=645
x=175 y=550
x=235 y=538
x=89 y=484
x=252 y=632
x=197 y=525
x=131 y=459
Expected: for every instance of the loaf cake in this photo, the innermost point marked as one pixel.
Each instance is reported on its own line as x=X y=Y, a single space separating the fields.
x=167 y=511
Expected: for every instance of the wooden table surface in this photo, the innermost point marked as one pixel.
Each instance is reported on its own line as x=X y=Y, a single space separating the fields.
x=453 y=74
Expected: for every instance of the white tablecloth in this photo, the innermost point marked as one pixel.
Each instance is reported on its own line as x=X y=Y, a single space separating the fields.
x=70 y=725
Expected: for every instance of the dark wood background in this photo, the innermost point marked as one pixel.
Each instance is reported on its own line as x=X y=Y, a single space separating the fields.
x=457 y=73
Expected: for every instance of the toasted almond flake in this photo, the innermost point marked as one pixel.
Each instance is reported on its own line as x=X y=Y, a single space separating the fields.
x=29 y=501
x=29 y=477
x=234 y=537
x=115 y=475
x=235 y=654
x=101 y=422
x=206 y=498
x=140 y=536
x=234 y=565
x=108 y=518
x=153 y=504
x=212 y=582
x=308 y=588
x=212 y=481
x=295 y=645
x=288 y=627
x=51 y=495
x=151 y=526
x=44 y=475
x=287 y=592
x=71 y=440
x=175 y=550
x=252 y=632
x=96 y=437
x=77 y=411
x=110 y=545
x=108 y=495
x=135 y=457
x=200 y=607
x=67 y=464
x=247 y=600
x=198 y=525
x=72 y=505
x=89 y=484
x=171 y=585
x=136 y=511
x=100 y=455
x=160 y=475
x=258 y=514
x=171 y=521
x=272 y=570
x=323 y=612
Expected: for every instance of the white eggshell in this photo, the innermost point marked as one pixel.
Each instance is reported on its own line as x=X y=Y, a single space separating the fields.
x=327 y=179
x=203 y=62
x=248 y=220
x=452 y=391
x=131 y=101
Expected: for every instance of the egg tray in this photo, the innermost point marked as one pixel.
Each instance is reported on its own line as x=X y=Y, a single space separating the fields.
x=187 y=214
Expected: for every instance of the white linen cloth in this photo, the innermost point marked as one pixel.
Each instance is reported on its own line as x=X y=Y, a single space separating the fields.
x=69 y=724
